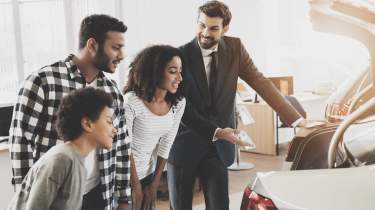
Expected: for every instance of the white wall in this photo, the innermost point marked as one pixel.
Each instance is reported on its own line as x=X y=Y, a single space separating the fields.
x=277 y=34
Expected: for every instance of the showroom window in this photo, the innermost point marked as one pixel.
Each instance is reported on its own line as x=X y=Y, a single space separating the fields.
x=35 y=33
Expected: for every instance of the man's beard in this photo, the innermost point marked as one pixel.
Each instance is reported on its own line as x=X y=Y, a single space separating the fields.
x=101 y=61
x=208 y=45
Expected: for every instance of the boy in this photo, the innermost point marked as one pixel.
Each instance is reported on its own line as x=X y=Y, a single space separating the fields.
x=56 y=181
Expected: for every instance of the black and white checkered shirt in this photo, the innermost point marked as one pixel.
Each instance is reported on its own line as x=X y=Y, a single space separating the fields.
x=32 y=132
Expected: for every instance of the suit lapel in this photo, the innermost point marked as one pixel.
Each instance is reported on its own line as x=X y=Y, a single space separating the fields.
x=197 y=69
x=222 y=64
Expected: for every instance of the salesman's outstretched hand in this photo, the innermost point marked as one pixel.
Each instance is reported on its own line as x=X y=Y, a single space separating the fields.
x=231 y=135
x=311 y=123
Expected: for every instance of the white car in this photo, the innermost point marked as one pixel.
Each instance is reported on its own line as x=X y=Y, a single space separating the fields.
x=342 y=156
x=352 y=146
x=344 y=189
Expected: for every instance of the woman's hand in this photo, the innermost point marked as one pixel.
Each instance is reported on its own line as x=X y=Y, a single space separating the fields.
x=149 y=194
x=137 y=195
x=123 y=206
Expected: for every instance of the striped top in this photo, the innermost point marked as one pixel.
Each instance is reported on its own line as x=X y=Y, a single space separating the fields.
x=151 y=135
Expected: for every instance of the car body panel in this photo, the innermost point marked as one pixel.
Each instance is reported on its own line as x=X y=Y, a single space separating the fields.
x=344 y=189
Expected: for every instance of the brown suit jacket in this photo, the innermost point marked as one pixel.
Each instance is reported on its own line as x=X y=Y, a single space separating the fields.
x=204 y=113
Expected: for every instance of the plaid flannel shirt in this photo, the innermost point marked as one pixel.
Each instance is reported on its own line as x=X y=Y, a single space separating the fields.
x=32 y=132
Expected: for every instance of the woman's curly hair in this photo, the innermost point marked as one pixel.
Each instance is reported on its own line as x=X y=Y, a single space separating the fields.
x=147 y=72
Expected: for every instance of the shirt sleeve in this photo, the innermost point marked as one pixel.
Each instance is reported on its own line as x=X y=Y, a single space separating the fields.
x=47 y=181
x=249 y=73
x=213 y=137
x=130 y=114
x=122 y=182
x=23 y=130
x=166 y=141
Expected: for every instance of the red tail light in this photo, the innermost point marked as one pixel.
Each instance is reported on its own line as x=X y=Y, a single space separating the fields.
x=252 y=201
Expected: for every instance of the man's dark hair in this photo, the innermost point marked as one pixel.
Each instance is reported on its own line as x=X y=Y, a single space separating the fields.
x=86 y=102
x=147 y=72
x=97 y=26
x=216 y=9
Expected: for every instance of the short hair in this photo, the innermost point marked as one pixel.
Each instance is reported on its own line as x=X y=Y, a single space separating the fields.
x=147 y=72
x=216 y=9
x=85 y=102
x=96 y=26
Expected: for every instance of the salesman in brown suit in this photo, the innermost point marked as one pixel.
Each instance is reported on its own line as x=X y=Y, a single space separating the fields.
x=204 y=145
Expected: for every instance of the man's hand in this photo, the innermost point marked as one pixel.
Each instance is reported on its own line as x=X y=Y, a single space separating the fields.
x=231 y=135
x=123 y=206
x=149 y=196
x=311 y=123
x=228 y=134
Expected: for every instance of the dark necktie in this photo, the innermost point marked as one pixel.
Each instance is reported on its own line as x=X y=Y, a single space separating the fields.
x=213 y=75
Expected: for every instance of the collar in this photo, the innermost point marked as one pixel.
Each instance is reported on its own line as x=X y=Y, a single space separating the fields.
x=72 y=67
x=207 y=52
x=74 y=71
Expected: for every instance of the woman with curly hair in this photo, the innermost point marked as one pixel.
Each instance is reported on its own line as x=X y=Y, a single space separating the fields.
x=154 y=105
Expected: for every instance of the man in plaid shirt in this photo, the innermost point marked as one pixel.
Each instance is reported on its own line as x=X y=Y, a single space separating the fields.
x=32 y=132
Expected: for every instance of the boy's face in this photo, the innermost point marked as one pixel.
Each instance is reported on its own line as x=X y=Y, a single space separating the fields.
x=103 y=129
